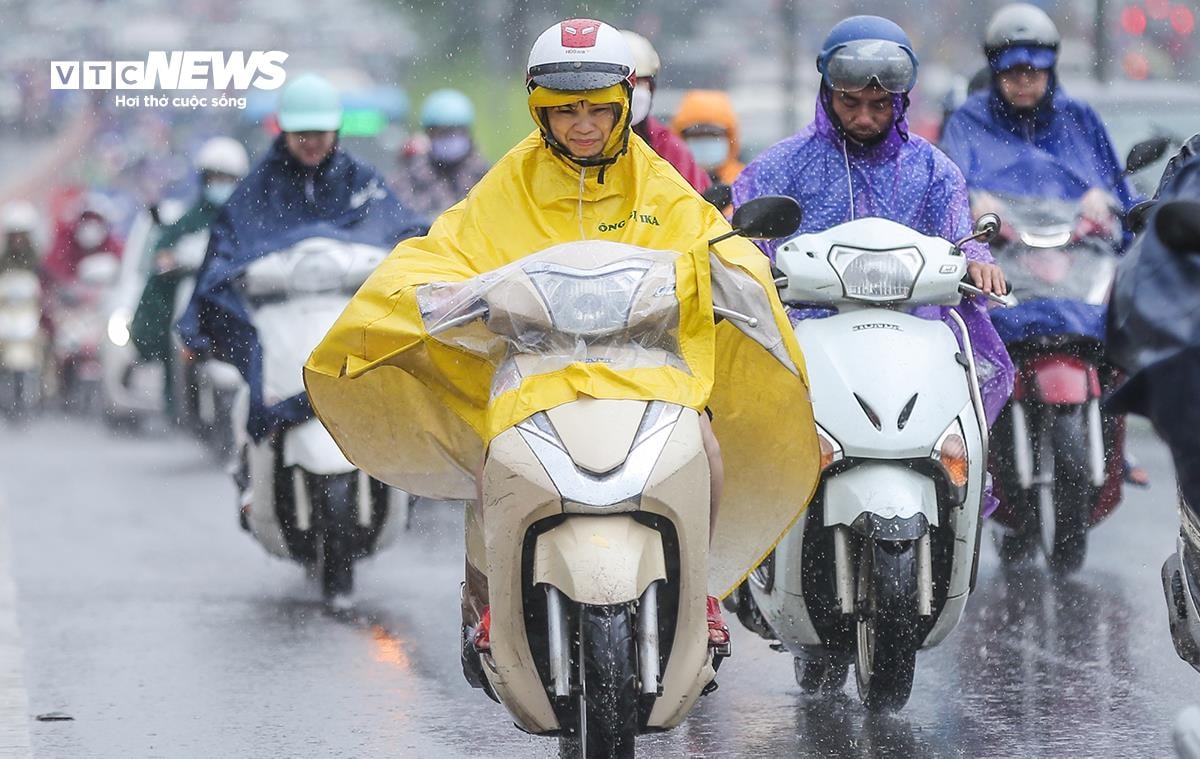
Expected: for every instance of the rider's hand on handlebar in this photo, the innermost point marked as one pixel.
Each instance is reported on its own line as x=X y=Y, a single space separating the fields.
x=987 y=277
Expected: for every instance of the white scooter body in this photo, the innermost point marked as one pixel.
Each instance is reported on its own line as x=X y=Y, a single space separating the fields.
x=293 y=309
x=887 y=387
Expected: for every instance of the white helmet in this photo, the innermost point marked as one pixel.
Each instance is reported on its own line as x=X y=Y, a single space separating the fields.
x=223 y=155
x=645 y=57
x=580 y=54
x=19 y=216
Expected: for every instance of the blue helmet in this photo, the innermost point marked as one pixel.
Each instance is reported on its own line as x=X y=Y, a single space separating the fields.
x=447 y=108
x=862 y=50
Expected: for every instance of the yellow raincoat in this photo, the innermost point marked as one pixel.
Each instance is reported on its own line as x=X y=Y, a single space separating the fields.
x=416 y=413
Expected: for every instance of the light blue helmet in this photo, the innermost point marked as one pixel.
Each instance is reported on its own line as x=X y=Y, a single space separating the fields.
x=309 y=103
x=447 y=108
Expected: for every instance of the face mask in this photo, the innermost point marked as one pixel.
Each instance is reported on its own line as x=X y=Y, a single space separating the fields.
x=89 y=234
x=639 y=109
x=450 y=148
x=709 y=152
x=218 y=192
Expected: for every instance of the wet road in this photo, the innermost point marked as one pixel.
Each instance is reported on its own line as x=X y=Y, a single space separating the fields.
x=164 y=631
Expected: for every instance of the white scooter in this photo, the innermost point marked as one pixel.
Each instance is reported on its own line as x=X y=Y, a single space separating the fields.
x=884 y=558
x=305 y=501
x=21 y=343
x=593 y=529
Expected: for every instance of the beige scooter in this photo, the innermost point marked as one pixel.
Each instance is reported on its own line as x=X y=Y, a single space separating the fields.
x=593 y=528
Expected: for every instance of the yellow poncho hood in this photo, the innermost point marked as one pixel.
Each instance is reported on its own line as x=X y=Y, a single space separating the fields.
x=415 y=412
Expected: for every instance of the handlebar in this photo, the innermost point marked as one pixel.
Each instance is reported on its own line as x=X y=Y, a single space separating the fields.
x=1007 y=300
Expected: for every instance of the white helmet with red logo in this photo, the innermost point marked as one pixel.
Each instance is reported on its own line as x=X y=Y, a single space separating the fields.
x=580 y=54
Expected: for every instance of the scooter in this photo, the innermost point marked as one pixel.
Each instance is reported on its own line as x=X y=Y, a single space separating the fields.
x=593 y=524
x=1059 y=463
x=305 y=501
x=882 y=562
x=21 y=343
x=80 y=321
x=207 y=388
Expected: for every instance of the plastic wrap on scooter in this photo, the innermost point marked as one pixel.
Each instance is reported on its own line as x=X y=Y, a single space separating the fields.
x=633 y=321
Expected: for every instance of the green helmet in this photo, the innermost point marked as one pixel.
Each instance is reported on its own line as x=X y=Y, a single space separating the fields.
x=309 y=103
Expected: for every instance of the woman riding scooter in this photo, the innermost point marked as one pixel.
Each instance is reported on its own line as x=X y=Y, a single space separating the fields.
x=421 y=416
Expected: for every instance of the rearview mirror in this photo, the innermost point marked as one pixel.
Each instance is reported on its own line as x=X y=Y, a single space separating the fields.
x=1146 y=153
x=767 y=217
x=1135 y=219
x=987 y=227
x=1178 y=226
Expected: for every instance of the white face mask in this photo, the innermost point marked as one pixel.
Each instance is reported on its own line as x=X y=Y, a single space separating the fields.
x=639 y=109
x=89 y=234
x=709 y=152
x=218 y=192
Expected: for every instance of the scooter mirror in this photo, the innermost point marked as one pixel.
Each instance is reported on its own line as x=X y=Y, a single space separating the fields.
x=987 y=227
x=767 y=217
x=1135 y=219
x=1177 y=224
x=1146 y=153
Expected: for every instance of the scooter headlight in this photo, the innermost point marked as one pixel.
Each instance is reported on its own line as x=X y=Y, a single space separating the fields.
x=951 y=453
x=831 y=449
x=588 y=301
x=118 y=328
x=879 y=276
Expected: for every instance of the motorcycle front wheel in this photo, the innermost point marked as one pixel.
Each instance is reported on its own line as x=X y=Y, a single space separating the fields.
x=886 y=638
x=1064 y=517
x=334 y=499
x=608 y=699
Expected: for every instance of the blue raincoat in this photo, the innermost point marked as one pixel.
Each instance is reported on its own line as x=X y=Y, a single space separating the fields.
x=280 y=203
x=904 y=179
x=1058 y=150
x=1154 y=333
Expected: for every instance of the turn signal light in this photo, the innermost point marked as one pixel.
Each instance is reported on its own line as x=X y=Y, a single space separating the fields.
x=953 y=456
x=831 y=452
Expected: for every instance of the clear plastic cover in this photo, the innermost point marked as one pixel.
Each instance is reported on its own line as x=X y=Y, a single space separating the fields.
x=1046 y=260
x=312 y=267
x=591 y=302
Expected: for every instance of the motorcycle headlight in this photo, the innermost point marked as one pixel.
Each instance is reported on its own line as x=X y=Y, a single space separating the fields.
x=878 y=276
x=118 y=329
x=317 y=272
x=951 y=453
x=588 y=301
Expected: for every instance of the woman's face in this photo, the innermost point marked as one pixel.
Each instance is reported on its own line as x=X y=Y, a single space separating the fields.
x=583 y=128
x=1023 y=86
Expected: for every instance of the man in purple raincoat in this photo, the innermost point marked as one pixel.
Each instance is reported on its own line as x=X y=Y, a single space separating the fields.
x=857 y=159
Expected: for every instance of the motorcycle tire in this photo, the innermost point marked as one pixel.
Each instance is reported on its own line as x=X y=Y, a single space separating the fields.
x=1073 y=493
x=334 y=499
x=608 y=700
x=886 y=635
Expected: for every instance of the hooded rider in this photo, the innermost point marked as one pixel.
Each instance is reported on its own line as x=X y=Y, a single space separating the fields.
x=307 y=185
x=439 y=168
x=583 y=174
x=1024 y=135
x=708 y=124
x=221 y=163
x=656 y=134
x=858 y=159
x=1025 y=132
x=19 y=224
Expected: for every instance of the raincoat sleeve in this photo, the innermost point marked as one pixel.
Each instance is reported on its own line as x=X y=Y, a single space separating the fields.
x=1109 y=164
x=950 y=206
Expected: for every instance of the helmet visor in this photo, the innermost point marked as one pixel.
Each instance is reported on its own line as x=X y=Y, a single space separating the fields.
x=1024 y=55
x=861 y=63
x=575 y=76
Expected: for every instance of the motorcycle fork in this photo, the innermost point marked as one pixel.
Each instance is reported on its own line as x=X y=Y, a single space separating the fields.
x=844 y=572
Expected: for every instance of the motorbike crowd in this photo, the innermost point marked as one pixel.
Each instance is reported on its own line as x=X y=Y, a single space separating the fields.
x=667 y=384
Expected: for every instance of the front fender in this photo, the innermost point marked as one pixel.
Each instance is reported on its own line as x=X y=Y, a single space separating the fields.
x=310 y=447
x=599 y=560
x=888 y=492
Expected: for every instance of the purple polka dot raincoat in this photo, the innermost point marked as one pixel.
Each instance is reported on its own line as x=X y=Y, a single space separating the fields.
x=904 y=179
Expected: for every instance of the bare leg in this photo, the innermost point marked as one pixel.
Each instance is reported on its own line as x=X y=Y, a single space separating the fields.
x=716 y=468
